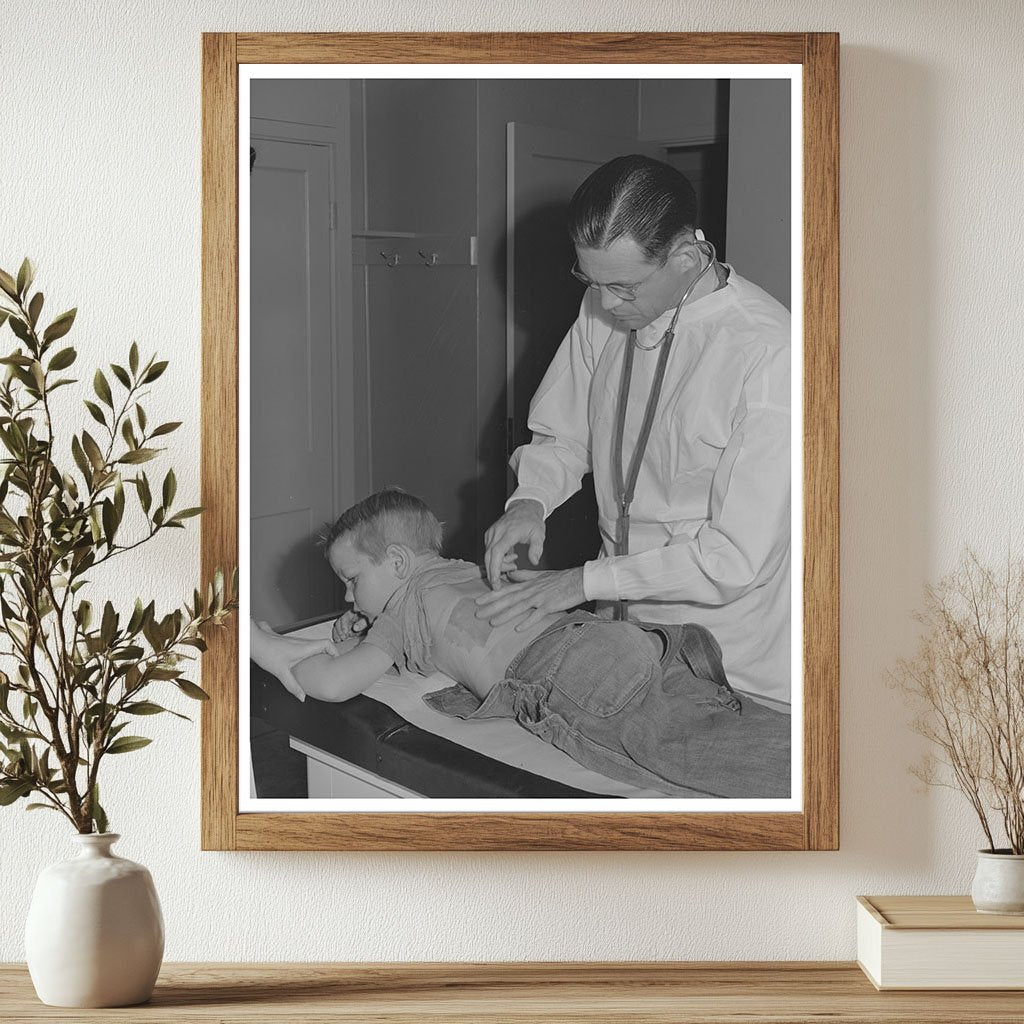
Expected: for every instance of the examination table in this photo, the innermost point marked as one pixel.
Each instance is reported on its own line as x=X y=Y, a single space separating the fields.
x=369 y=735
x=388 y=743
x=375 y=746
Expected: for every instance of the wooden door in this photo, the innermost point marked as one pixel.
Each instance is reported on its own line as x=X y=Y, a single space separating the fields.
x=292 y=439
x=545 y=166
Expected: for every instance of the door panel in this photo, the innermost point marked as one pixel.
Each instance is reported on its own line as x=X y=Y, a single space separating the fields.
x=545 y=166
x=292 y=454
x=421 y=333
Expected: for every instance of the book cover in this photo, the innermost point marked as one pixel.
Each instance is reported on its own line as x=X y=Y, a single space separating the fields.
x=938 y=942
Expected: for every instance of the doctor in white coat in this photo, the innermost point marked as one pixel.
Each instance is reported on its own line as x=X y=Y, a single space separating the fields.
x=673 y=388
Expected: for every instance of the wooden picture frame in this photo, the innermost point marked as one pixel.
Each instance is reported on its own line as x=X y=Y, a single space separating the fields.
x=816 y=826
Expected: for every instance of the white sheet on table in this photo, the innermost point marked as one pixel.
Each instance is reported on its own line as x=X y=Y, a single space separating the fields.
x=501 y=739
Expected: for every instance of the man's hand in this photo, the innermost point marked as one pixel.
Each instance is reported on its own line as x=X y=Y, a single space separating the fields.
x=534 y=594
x=280 y=654
x=522 y=523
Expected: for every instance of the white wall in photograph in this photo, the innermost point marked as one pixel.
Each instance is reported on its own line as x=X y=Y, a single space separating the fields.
x=101 y=186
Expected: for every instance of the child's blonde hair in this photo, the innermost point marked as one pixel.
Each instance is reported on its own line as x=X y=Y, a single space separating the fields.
x=391 y=516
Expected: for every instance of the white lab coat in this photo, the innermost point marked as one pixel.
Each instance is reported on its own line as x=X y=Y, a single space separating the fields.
x=710 y=522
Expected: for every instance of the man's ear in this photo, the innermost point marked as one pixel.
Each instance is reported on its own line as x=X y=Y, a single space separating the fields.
x=685 y=254
x=401 y=558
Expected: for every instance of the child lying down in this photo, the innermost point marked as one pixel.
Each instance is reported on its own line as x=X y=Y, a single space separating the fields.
x=646 y=704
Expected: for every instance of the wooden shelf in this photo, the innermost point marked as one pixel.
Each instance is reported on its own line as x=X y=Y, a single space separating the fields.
x=631 y=993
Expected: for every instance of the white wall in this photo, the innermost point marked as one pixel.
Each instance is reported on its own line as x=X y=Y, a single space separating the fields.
x=99 y=181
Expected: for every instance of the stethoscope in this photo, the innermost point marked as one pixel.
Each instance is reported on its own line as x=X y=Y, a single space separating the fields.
x=625 y=483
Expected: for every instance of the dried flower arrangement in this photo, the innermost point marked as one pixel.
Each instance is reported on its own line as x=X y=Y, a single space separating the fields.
x=967 y=678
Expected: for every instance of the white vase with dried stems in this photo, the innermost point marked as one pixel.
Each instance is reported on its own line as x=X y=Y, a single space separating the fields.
x=77 y=680
x=967 y=682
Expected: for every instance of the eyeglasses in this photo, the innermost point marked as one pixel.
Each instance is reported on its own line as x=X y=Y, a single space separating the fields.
x=622 y=291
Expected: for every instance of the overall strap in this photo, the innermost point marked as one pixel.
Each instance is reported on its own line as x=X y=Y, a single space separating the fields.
x=625 y=483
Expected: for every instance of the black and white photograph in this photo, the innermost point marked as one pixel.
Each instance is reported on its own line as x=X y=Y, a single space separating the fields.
x=519 y=458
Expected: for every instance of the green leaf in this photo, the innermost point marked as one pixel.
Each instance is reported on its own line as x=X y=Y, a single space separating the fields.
x=95 y=527
x=191 y=690
x=130 y=653
x=34 y=308
x=108 y=626
x=133 y=358
x=11 y=791
x=109 y=521
x=83 y=613
x=185 y=513
x=95 y=412
x=170 y=488
x=163 y=673
x=70 y=486
x=12 y=733
x=140 y=415
x=165 y=428
x=94 y=711
x=128 y=433
x=102 y=388
x=41 y=807
x=139 y=455
x=143 y=707
x=60 y=326
x=10 y=442
x=26 y=273
x=135 y=622
x=125 y=744
x=99 y=817
x=121 y=374
x=154 y=371
x=119 y=499
x=20 y=328
x=63 y=359
x=80 y=459
x=92 y=449
x=146 y=499
x=4 y=314
x=7 y=283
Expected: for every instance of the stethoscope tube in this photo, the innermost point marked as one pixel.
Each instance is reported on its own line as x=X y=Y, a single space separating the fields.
x=625 y=485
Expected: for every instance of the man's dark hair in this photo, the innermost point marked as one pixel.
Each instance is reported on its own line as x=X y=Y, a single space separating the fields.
x=633 y=197
x=391 y=516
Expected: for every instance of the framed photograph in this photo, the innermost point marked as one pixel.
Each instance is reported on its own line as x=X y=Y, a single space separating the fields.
x=520 y=418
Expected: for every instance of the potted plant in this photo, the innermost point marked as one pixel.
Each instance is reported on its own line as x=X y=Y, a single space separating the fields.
x=967 y=680
x=82 y=672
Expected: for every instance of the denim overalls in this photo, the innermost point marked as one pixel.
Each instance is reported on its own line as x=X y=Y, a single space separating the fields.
x=598 y=689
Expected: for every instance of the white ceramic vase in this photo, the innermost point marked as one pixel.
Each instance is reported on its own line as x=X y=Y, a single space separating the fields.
x=999 y=882
x=95 y=933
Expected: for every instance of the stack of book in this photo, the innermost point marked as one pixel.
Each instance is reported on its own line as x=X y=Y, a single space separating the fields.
x=908 y=942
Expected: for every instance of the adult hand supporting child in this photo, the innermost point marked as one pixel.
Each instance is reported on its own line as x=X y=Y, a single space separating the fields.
x=535 y=592
x=278 y=654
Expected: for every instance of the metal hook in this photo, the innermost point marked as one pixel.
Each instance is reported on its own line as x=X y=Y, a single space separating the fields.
x=391 y=259
x=429 y=260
